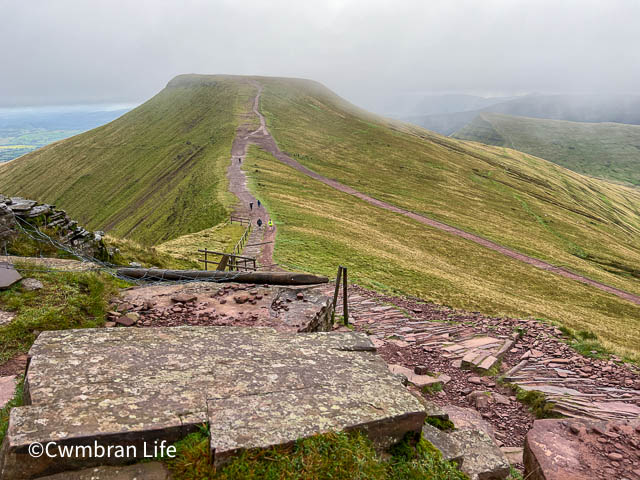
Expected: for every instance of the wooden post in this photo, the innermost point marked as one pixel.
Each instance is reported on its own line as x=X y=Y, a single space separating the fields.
x=335 y=295
x=345 y=306
x=206 y=264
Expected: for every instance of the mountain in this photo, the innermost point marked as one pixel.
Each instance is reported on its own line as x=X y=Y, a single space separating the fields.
x=605 y=150
x=159 y=172
x=575 y=108
x=153 y=174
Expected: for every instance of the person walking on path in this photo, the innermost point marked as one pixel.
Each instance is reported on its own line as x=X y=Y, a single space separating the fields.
x=259 y=204
x=270 y=223
x=250 y=205
x=259 y=223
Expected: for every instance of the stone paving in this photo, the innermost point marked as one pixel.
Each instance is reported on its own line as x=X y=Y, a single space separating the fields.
x=578 y=386
x=255 y=386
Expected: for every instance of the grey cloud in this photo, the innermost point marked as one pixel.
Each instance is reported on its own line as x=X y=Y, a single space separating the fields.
x=73 y=51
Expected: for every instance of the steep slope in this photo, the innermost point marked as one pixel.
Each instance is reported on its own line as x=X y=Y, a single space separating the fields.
x=156 y=173
x=606 y=150
x=575 y=108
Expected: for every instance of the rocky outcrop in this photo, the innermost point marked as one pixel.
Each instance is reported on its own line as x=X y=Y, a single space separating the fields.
x=16 y=212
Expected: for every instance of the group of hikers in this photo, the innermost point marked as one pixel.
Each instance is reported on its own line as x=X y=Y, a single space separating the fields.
x=259 y=221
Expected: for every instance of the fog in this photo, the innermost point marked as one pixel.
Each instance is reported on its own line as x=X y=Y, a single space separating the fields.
x=78 y=51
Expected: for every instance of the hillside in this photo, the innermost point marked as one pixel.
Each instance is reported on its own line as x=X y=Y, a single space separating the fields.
x=605 y=150
x=154 y=174
x=575 y=108
x=522 y=202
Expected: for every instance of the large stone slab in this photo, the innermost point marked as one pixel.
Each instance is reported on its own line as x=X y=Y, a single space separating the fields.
x=140 y=471
x=473 y=450
x=8 y=275
x=131 y=386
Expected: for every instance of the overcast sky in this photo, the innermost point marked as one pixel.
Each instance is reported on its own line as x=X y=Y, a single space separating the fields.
x=88 y=51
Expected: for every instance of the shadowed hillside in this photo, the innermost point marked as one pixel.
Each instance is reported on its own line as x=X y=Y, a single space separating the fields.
x=606 y=150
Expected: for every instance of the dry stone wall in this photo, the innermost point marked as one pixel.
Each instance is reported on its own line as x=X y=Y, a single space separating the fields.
x=17 y=212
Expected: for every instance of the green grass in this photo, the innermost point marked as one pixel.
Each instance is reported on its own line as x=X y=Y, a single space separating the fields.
x=154 y=174
x=537 y=403
x=606 y=150
x=67 y=300
x=320 y=228
x=440 y=424
x=131 y=251
x=432 y=389
x=23 y=245
x=221 y=238
x=336 y=456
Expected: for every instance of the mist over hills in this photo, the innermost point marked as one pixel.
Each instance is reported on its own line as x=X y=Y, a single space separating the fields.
x=576 y=108
x=605 y=150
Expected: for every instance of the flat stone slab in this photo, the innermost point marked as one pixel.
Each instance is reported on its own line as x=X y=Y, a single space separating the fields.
x=448 y=447
x=482 y=459
x=140 y=471
x=8 y=275
x=418 y=380
x=255 y=386
x=473 y=450
x=259 y=421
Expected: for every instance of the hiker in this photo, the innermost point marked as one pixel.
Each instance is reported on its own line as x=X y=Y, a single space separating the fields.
x=239 y=160
x=258 y=203
x=250 y=205
x=270 y=224
x=259 y=223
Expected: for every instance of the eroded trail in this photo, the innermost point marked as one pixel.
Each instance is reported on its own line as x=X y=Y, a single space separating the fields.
x=263 y=138
x=260 y=243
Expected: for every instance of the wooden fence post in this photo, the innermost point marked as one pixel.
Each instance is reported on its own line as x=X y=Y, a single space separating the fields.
x=335 y=295
x=345 y=305
x=206 y=264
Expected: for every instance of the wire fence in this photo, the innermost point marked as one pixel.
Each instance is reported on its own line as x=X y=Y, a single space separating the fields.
x=34 y=233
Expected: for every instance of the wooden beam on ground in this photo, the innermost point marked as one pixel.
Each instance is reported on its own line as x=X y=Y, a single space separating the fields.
x=271 y=278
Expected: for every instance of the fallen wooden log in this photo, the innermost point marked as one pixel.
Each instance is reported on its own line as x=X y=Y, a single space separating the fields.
x=271 y=278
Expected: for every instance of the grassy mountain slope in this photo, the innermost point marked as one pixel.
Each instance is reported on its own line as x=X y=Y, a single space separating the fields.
x=154 y=174
x=606 y=150
x=319 y=228
x=518 y=200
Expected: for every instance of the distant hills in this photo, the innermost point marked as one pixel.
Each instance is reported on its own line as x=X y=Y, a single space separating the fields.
x=419 y=104
x=575 y=108
x=606 y=150
x=24 y=130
